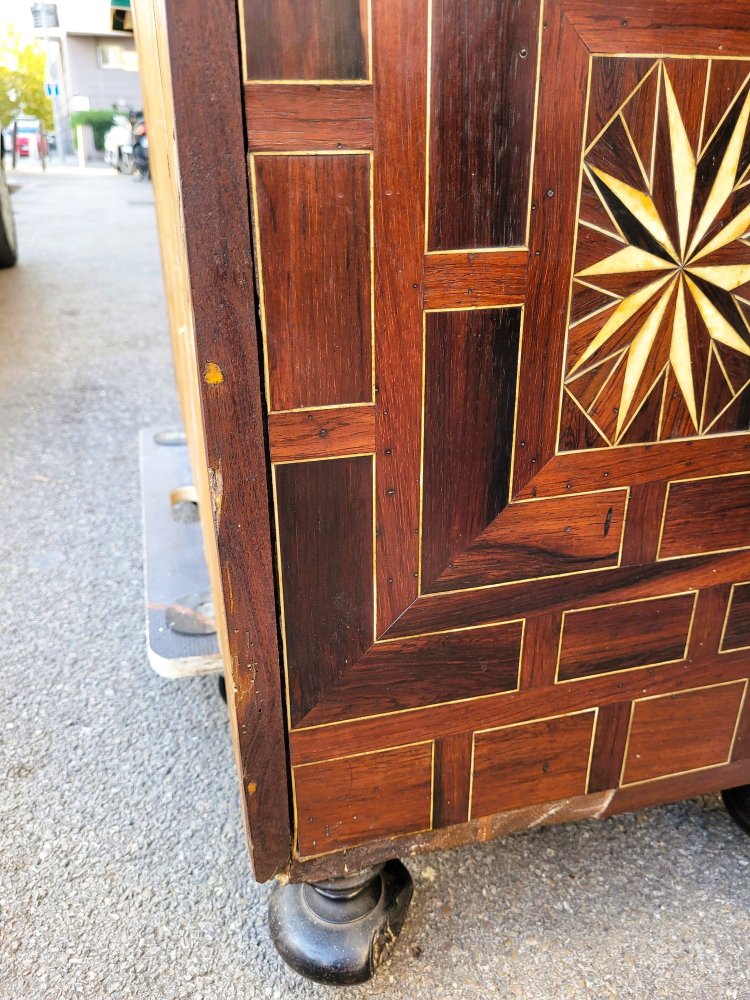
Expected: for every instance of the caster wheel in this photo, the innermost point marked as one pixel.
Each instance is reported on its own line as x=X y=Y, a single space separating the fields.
x=338 y=932
x=737 y=804
x=223 y=688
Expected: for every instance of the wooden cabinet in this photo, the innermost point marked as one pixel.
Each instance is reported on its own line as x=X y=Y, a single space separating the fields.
x=467 y=300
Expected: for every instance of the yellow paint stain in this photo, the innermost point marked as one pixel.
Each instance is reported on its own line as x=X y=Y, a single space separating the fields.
x=212 y=374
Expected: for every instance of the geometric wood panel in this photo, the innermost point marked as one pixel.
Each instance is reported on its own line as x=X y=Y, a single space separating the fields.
x=706 y=515
x=621 y=636
x=471 y=363
x=537 y=762
x=540 y=538
x=736 y=634
x=410 y=673
x=668 y=353
x=325 y=530
x=682 y=732
x=290 y=117
x=482 y=92
x=344 y=802
x=305 y=39
x=313 y=241
x=515 y=341
x=610 y=740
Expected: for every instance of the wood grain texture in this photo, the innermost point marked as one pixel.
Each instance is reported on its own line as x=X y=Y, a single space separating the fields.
x=622 y=636
x=636 y=464
x=554 y=193
x=679 y=786
x=472 y=278
x=314 y=225
x=539 y=539
x=325 y=531
x=708 y=622
x=594 y=806
x=465 y=609
x=399 y=105
x=640 y=541
x=341 y=803
x=424 y=670
x=299 y=435
x=452 y=773
x=471 y=364
x=612 y=723
x=295 y=117
x=682 y=732
x=634 y=27
x=541 y=642
x=706 y=515
x=737 y=631
x=305 y=39
x=523 y=765
x=514 y=707
x=741 y=745
x=220 y=270
x=483 y=78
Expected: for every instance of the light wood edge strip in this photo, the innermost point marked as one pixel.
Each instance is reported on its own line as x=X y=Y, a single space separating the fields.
x=160 y=31
x=314 y=434
x=451 y=278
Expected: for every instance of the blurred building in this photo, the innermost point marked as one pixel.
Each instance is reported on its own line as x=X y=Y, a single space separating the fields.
x=91 y=55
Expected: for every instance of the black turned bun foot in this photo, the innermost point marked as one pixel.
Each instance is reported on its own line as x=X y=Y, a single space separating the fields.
x=737 y=803
x=338 y=932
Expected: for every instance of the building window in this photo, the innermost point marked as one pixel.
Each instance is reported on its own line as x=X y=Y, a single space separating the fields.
x=117 y=57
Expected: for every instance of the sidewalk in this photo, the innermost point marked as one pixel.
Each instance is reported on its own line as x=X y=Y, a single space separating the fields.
x=123 y=870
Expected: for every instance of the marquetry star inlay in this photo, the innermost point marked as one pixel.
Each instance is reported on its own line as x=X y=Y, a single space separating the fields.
x=663 y=263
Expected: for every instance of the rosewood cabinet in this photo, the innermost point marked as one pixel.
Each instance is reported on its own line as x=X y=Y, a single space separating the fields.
x=460 y=299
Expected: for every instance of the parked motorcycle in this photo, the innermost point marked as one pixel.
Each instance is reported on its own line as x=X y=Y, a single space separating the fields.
x=118 y=144
x=140 y=149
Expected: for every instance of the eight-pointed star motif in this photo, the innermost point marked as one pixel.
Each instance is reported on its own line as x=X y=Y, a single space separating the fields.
x=667 y=252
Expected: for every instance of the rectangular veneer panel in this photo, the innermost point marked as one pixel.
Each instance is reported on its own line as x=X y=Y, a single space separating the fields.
x=538 y=762
x=471 y=361
x=682 y=732
x=612 y=723
x=425 y=669
x=325 y=531
x=305 y=39
x=351 y=800
x=297 y=435
x=294 y=117
x=706 y=515
x=545 y=538
x=737 y=628
x=621 y=636
x=313 y=223
x=483 y=81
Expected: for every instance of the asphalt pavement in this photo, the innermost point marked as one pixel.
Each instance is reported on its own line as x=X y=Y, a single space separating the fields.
x=123 y=870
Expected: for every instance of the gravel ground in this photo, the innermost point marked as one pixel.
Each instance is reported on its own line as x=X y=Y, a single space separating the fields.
x=122 y=864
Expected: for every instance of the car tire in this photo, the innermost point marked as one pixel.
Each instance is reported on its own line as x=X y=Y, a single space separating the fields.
x=8 y=246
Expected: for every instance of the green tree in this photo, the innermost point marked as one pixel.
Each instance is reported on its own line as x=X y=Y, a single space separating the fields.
x=22 y=72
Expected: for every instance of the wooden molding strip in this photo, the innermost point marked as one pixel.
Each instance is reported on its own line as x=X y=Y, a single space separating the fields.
x=284 y=117
x=306 y=435
x=467 y=279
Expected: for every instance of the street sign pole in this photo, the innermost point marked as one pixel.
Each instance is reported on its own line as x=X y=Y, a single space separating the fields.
x=55 y=96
